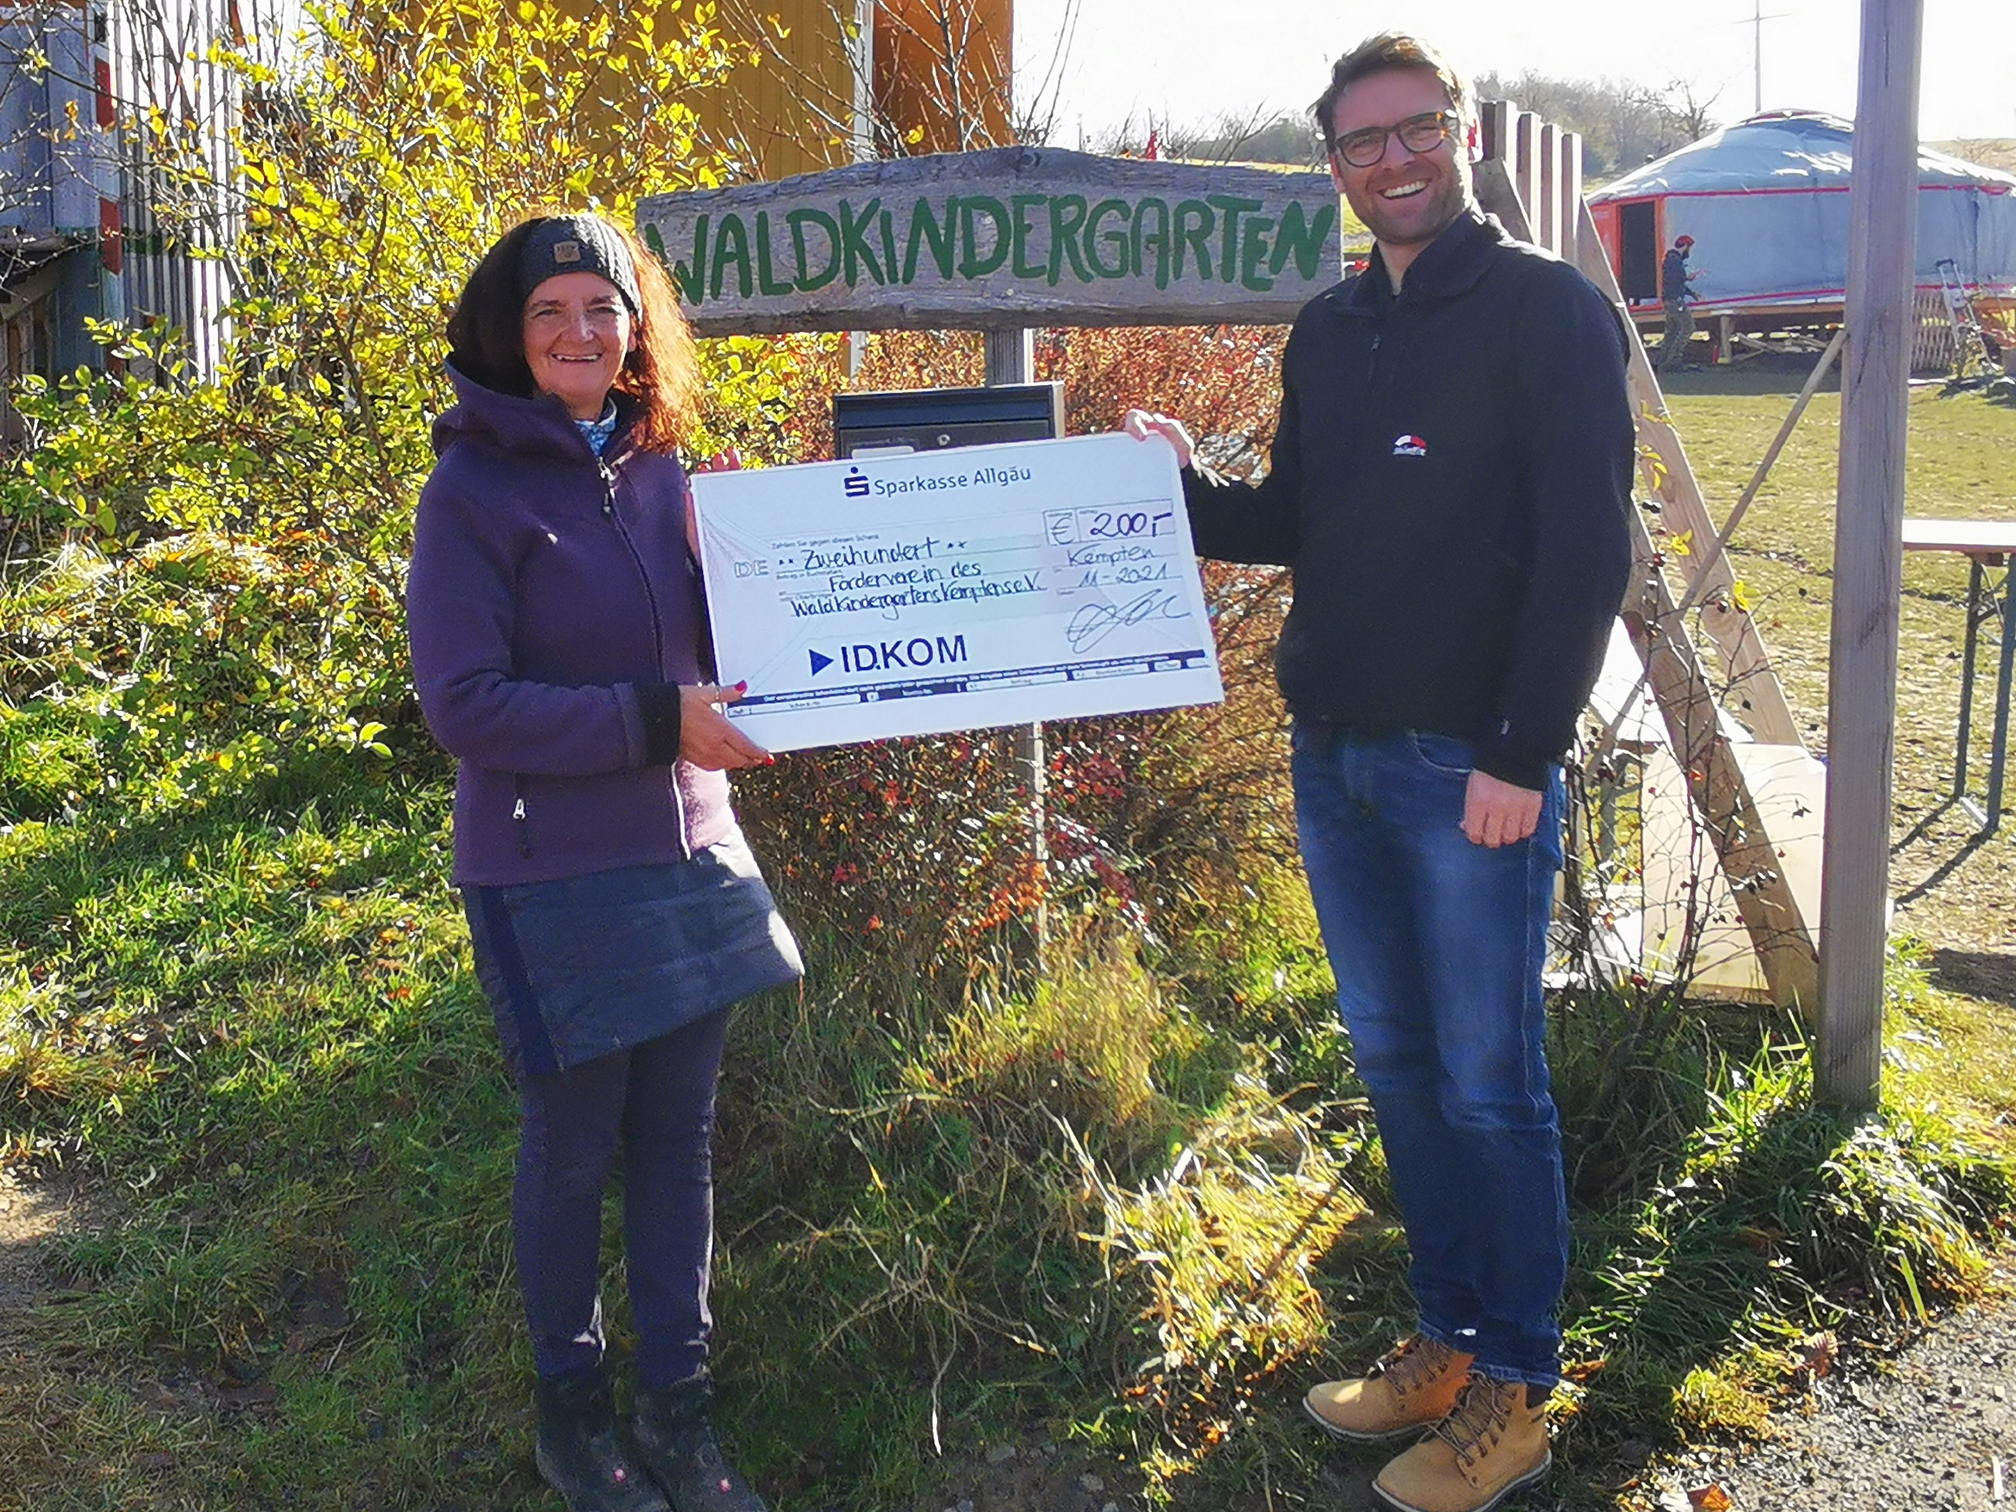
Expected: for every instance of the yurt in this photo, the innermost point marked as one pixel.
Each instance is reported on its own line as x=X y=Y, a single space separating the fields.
x=1766 y=202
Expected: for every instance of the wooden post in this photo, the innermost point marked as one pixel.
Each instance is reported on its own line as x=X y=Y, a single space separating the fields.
x=1547 y=222
x=1011 y=358
x=1868 y=556
x=1525 y=164
x=1571 y=198
x=1494 y=128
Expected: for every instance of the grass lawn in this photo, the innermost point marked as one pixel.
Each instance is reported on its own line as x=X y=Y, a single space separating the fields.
x=1130 y=1213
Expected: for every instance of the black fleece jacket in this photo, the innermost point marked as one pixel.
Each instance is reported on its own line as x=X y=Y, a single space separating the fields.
x=1449 y=483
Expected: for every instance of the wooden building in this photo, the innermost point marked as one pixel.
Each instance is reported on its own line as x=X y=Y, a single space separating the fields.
x=839 y=81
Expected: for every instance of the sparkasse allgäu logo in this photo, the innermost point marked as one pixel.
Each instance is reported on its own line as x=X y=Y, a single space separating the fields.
x=856 y=483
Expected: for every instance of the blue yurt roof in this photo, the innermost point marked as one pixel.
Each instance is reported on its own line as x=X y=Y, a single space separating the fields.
x=1779 y=150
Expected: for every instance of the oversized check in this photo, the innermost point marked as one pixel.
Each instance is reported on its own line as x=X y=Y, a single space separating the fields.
x=952 y=590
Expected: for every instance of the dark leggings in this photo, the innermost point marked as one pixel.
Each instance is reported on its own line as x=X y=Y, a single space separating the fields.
x=658 y=1098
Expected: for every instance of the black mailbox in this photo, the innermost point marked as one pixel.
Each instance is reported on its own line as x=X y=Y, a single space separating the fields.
x=918 y=420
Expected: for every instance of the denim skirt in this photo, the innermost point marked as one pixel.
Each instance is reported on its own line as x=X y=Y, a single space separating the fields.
x=586 y=966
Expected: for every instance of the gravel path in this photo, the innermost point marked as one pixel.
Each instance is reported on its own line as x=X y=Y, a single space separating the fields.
x=1931 y=1430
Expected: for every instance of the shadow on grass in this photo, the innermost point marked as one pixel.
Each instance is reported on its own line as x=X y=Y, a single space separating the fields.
x=1987 y=974
x=1931 y=881
x=1780 y=373
x=253 y=1023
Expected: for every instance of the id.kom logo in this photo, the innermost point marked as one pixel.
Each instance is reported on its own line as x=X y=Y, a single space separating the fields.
x=855 y=483
x=1409 y=446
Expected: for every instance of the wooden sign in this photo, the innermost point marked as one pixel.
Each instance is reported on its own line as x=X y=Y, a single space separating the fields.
x=1014 y=236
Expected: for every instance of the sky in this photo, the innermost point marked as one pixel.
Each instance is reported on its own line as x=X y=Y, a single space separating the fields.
x=1192 y=61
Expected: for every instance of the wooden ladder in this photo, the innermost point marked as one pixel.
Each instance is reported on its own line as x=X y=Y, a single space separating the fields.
x=1530 y=177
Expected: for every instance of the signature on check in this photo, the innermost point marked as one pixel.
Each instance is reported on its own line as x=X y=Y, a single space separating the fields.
x=1094 y=622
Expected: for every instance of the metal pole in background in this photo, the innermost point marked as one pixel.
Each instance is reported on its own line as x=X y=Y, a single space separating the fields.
x=1011 y=359
x=1868 y=557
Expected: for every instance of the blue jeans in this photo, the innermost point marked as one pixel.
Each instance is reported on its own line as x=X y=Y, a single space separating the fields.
x=1438 y=946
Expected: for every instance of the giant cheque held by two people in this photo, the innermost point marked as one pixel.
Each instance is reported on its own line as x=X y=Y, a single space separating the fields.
x=953 y=590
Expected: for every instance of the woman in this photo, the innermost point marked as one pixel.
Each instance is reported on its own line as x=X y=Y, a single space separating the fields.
x=560 y=651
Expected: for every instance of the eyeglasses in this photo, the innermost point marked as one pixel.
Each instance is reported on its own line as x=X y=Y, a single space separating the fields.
x=1418 y=133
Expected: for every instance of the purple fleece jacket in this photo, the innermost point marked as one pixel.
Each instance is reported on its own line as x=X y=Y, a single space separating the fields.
x=554 y=608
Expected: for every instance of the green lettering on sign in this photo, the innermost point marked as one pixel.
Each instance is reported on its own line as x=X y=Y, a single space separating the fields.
x=1024 y=203
x=731 y=245
x=691 y=277
x=926 y=228
x=766 y=278
x=1233 y=206
x=971 y=263
x=887 y=224
x=1194 y=220
x=1067 y=219
x=807 y=280
x=1253 y=254
x=854 y=248
x=1143 y=240
x=1302 y=239
x=1117 y=239
x=1061 y=240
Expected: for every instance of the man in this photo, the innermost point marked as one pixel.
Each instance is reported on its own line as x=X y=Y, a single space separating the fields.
x=1449 y=481
x=1673 y=296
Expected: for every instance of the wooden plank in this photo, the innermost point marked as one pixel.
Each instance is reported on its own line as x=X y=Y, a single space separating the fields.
x=1571 y=198
x=1525 y=164
x=941 y=72
x=1975 y=537
x=1547 y=222
x=1868 y=557
x=793 y=109
x=1013 y=236
x=1494 y=127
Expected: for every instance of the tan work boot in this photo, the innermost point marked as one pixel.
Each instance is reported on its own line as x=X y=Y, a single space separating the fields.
x=1489 y=1446
x=1412 y=1387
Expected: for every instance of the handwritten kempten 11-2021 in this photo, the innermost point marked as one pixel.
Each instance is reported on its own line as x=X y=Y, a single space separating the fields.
x=952 y=590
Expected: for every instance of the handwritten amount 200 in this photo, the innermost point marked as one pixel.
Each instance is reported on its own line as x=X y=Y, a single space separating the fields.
x=1118 y=525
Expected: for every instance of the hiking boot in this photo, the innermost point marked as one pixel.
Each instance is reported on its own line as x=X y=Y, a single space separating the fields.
x=1412 y=1387
x=1493 y=1442
x=581 y=1451
x=675 y=1441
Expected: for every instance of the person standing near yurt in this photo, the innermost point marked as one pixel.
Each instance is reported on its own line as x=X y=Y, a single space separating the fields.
x=560 y=652
x=1450 y=482
x=1674 y=278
